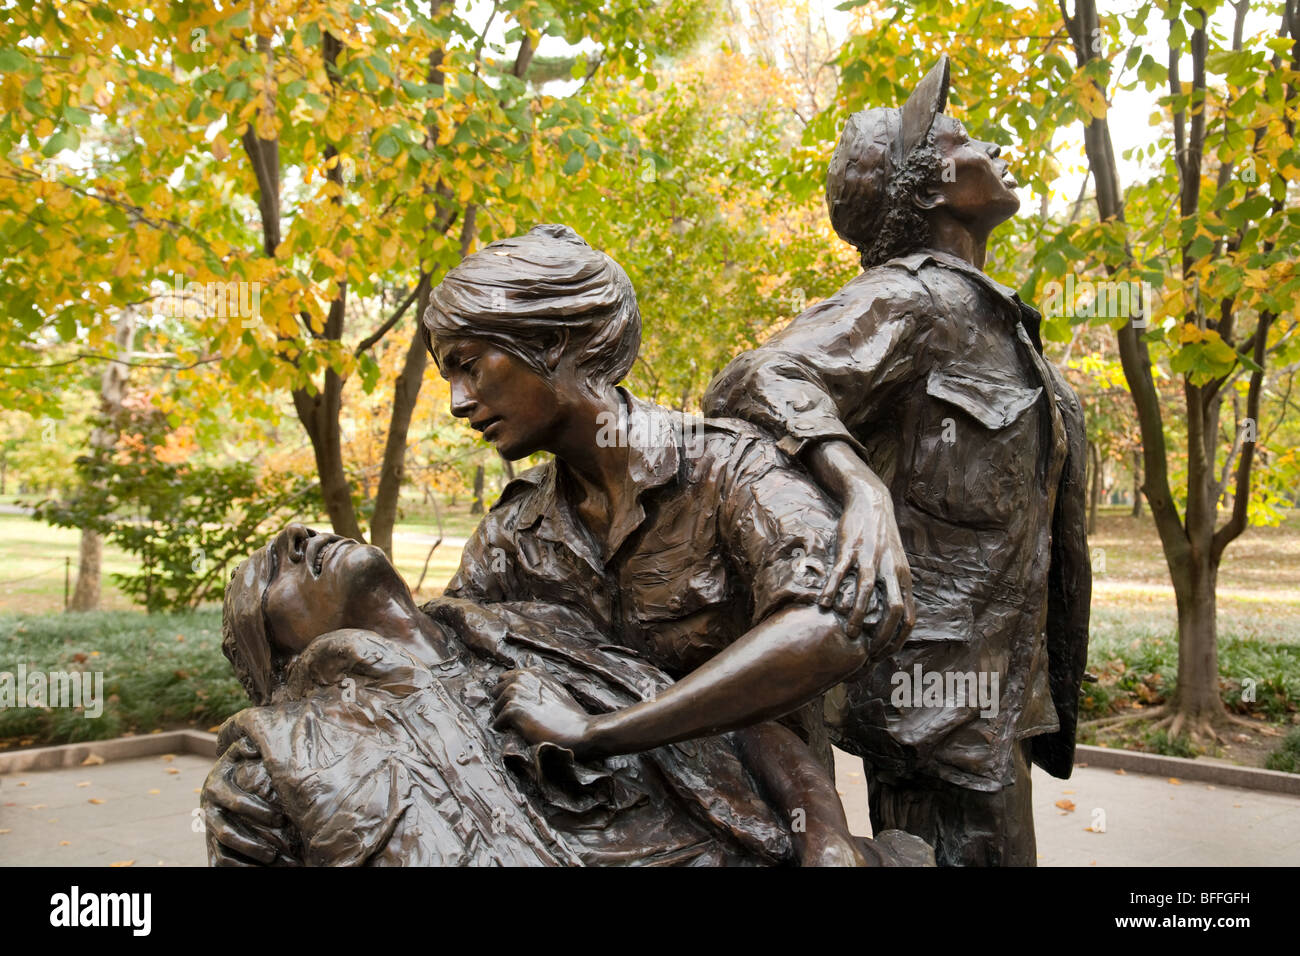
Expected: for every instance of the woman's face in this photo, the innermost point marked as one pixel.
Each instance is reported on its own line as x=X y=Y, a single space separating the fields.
x=322 y=582
x=515 y=408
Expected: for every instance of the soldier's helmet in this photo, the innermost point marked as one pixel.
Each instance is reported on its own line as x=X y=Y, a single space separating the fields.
x=872 y=149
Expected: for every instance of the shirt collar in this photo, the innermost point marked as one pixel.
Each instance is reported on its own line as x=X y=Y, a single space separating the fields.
x=652 y=435
x=1029 y=317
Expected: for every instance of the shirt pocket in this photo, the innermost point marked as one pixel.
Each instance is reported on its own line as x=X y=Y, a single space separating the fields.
x=675 y=582
x=943 y=613
x=976 y=451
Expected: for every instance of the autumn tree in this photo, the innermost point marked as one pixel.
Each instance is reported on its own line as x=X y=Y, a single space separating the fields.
x=1219 y=225
x=285 y=163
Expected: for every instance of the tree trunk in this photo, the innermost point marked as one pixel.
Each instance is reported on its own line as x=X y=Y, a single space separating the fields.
x=1137 y=484
x=1196 y=698
x=112 y=389
x=476 y=508
x=86 y=595
x=319 y=415
x=1094 y=493
x=406 y=393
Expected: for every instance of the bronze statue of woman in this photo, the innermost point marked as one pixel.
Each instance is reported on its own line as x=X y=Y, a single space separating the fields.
x=630 y=619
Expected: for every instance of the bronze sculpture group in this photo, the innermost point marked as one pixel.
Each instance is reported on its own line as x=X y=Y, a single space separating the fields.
x=654 y=638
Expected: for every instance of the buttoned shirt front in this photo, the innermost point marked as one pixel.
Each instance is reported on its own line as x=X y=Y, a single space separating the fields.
x=723 y=530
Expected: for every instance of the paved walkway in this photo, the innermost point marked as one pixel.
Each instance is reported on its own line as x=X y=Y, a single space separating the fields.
x=142 y=811
x=138 y=810
x=1147 y=821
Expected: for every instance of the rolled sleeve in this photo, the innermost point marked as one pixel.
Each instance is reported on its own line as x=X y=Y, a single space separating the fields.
x=781 y=530
x=836 y=368
x=485 y=564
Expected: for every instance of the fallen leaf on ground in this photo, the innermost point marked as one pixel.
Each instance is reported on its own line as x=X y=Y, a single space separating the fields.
x=1066 y=805
x=6 y=831
x=172 y=770
x=96 y=800
x=1175 y=781
x=1067 y=791
x=1120 y=771
x=93 y=760
x=168 y=757
x=123 y=863
x=37 y=806
x=155 y=792
x=22 y=783
x=65 y=843
x=84 y=783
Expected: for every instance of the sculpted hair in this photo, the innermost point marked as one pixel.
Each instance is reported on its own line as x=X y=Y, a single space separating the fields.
x=902 y=227
x=245 y=641
x=527 y=293
x=250 y=675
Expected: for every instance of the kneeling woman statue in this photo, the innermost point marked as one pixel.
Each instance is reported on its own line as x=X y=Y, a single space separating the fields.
x=602 y=682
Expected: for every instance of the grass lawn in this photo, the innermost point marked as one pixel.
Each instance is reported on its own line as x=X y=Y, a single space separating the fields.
x=34 y=558
x=168 y=670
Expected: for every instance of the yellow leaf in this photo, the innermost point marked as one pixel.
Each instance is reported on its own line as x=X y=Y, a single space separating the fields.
x=96 y=800
x=123 y=863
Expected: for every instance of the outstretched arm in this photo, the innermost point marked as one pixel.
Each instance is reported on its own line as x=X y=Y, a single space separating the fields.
x=778 y=665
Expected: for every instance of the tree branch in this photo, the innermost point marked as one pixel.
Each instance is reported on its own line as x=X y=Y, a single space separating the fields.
x=371 y=340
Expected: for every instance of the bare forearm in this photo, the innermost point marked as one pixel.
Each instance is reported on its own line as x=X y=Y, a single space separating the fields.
x=842 y=472
x=791 y=776
x=777 y=666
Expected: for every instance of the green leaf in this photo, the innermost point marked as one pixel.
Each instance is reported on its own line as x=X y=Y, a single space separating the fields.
x=1200 y=246
x=573 y=163
x=63 y=139
x=155 y=80
x=11 y=61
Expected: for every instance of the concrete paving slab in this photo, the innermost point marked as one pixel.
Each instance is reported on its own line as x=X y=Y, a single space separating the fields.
x=145 y=813
x=1148 y=821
